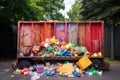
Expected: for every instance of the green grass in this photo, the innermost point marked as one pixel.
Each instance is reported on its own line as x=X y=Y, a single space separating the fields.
x=112 y=61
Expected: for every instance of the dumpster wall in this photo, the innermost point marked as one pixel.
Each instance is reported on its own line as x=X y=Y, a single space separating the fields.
x=85 y=33
x=33 y=33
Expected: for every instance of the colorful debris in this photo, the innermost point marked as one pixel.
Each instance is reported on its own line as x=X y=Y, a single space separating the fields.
x=53 y=48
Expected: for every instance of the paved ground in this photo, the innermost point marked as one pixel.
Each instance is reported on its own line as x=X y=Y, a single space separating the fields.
x=6 y=73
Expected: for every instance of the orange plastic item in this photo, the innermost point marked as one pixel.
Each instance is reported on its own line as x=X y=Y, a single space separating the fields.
x=71 y=49
x=66 y=68
x=84 y=62
x=63 y=43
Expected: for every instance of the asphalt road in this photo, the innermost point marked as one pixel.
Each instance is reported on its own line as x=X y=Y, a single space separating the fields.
x=6 y=73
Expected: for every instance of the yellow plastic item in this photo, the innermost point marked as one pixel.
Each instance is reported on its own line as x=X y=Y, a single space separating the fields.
x=66 y=68
x=53 y=40
x=67 y=46
x=84 y=62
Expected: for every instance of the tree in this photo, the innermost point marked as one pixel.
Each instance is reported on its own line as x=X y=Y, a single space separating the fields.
x=14 y=10
x=52 y=8
x=74 y=12
x=107 y=10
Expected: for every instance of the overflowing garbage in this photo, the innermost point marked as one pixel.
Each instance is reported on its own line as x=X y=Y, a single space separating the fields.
x=53 y=47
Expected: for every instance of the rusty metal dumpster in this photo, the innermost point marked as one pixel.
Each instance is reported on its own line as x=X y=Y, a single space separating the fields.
x=83 y=33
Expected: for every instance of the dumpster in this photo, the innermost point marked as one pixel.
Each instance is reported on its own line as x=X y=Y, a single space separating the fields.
x=32 y=36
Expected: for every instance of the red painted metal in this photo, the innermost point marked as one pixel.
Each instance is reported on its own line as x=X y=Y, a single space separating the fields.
x=95 y=46
x=49 y=30
x=60 y=30
x=81 y=34
x=96 y=36
x=85 y=33
x=94 y=32
x=33 y=33
x=26 y=34
x=37 y=31
x=88 y=36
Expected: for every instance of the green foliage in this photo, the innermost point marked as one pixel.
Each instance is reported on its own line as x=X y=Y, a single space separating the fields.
x=107 y=10
x=15 y=10
x=74 y=12
x=55 y=7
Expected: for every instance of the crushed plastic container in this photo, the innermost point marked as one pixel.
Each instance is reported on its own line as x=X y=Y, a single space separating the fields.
x=84 y=62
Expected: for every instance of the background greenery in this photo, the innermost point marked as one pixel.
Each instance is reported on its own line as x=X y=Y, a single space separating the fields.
x=13 y=10
x=107 y=10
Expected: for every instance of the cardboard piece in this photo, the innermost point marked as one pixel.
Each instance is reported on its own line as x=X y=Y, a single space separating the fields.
x=66 y=68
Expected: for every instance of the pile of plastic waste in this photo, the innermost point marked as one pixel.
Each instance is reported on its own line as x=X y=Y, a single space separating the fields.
x=65 y=69
x=53 y=47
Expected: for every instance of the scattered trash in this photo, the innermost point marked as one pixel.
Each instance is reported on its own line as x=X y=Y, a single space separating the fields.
x=84 y=62
x=40 y=68
x=53 y=47
x=12 y=76
x=35 y=76
x=64 y=69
